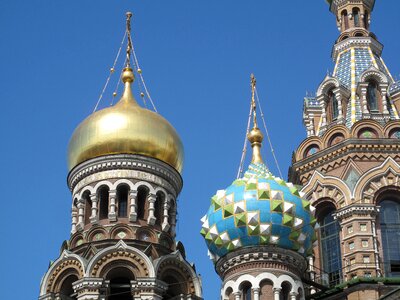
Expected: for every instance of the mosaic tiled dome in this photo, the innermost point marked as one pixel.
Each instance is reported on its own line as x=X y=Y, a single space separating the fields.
x=258 y=209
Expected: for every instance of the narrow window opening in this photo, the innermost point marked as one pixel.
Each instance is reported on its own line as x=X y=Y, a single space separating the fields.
x=158 y=208
x=246 y=291
x=334 y=106
x=285 y=293
x=345 y=19
x=356 y=16
x=88 y=206
x=141 y=202
x=103 y=196
x=176 y=286
x=66 y=290
x=366 y=17
x=331 y=258
x=120 y=284
x=372 y=96
x=122 y=198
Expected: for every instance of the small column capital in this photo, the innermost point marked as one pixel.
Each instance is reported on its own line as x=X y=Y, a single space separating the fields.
x=237 y=295
x=151 y=198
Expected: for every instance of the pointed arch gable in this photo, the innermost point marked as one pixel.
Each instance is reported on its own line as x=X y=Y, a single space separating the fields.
x=375 y=74
x=327 y=84
x=124 y=251
x=65 y=261
x=177 y=257
x=376 y=174
x=329 y=182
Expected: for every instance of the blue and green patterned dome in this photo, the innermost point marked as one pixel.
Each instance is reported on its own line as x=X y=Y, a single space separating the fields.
x=258 y=209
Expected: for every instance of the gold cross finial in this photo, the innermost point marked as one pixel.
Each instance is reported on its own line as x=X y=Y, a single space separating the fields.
x=129 y=46
x=255 y=135
x=253 y=102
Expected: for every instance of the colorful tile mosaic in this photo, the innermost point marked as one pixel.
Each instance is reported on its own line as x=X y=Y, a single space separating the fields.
x=258 y=209
x=394 y=87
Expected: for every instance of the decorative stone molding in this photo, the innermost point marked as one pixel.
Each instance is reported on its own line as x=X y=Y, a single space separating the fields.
x=234 y=285
x=88 y=288
x=376 y=47
x=385 y=175
x=327 y=158
x=356 y=210
x=162 y=173
x=120 y=252
x=261 y=257
x=320 y=187
x=66 y=261
x=148 y=287
x=176 y=263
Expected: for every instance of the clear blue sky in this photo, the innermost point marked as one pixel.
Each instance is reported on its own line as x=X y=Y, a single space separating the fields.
x=196 y=57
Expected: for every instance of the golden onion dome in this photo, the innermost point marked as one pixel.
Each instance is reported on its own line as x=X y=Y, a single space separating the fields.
x=125 y=128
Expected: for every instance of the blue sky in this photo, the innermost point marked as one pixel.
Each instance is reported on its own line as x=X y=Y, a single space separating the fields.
x=196 y=57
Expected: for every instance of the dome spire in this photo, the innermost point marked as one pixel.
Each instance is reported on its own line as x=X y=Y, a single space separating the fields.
x=255 y=135
x=127 y=74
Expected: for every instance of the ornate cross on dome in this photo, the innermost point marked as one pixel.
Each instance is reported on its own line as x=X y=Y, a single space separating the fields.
x=129 y=45
x=253 y=102
x=255 y=135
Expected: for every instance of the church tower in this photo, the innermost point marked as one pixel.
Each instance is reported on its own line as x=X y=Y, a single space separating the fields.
x=349 y=164
x=259 y=232
x=125 y=166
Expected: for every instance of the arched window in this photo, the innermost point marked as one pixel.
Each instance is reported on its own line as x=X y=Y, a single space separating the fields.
x=122 y=198
x=366 y=17
x=345 y=19
x=159 y=208
x=141 y=201
x=389 y=217
x=356 y=16
x=331 y=260
x=103 y=195
x=333 y=105
x=176 y=285
x=246 y=291
x=120 y=284
x=88 y=206
x=229 y=294
x=66 y=290
x=285 y=292
x=372 y=96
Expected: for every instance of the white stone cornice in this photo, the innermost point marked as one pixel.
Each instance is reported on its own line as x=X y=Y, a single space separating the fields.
x=352 y=210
